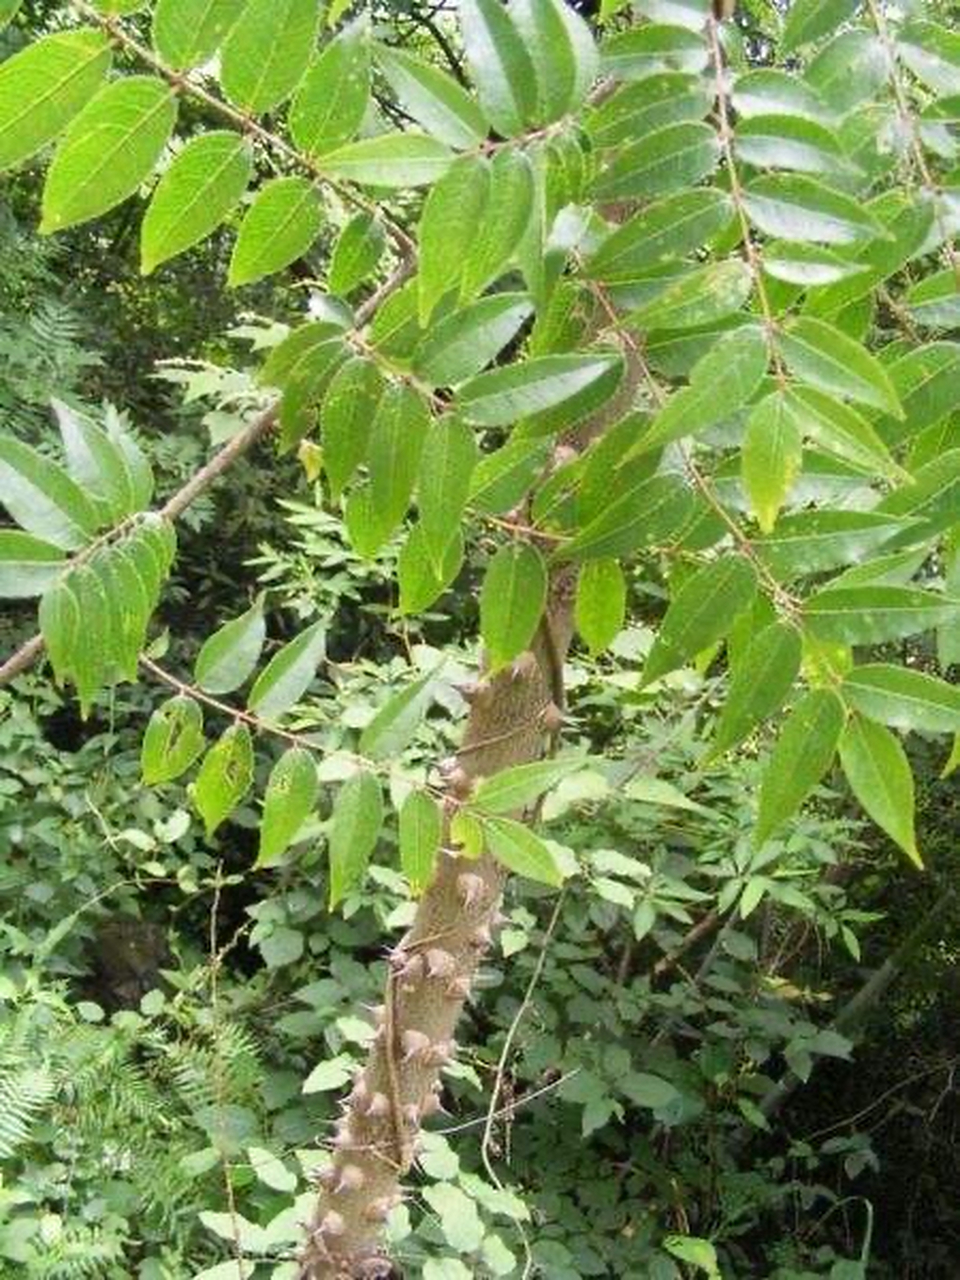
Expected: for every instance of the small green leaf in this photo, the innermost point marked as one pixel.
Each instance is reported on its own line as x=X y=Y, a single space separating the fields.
x=172 y=741
x=44 y=86
x=813 y=541
x=397 y=439
x=59 y=618
x=452 y=212
x=761 y=681
x=432 y=98
x=790 y=142
x=419 y=582
x=494 y=240
x=108 y=150
x=903 y=698
x=291 y=794
x=934 y=302
x=391 y=729
x=187 y=33
x=514 y=788
x=512 y=601
x=359 y=248
x=803 y=754
x=288 y=674
x=876 y=614
x=652 y=511
x=792 y=207
x=28 y=566
x=500 y=65
x=520 y=851
x=332 y=100
x=695 y=1252
x=501 y=396
x=43 y=499
x=701 y=297
x=840 y=430
x=279 y=227
x=701 y=613
x=808 y=20
x=270 y=1170
x=390 y=160
x=205 y=181
x=95 y=462
x=355 y=827
x=669 y=159
x=461 y=344
x=421 y=830
x=771 y=457
x=668 y=229
x=225 y=777
x=877 y=769
x=446 y=467
x=819 y=354
x=564 y=56
x=601 y=603
x=228 y=657
x=346 y=418
x=267 y=52
x=721 y=382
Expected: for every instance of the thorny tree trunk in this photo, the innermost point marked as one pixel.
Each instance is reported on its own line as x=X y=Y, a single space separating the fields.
x=431 y=970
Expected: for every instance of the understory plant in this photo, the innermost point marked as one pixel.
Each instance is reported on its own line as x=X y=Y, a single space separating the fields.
x=627 y=355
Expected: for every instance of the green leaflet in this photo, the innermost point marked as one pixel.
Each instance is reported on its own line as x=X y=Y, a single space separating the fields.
x=697 y=299
x=397 y=439
x=227 y=658
x=449 y=457
x=932 y=498
x=346 y=417
x=43 y=499
x=288 y=674
x=669 y=159
x=390 y=160
x=564 y=56
x=721 y=382
x=793 y=207
x=601 y=603
x=390 y=730
x=512 y=601
x=289 y=800
x=267 y=52
x=700 y=614
x=44 y=86
x=790 y=142
x=841 y=430
x=451 y=214
x=500 y=479
x=421 y=830
x=761 y=681
x=771 y=458
x=419 y=582
x=28 y=565
x=225 y=777
x=507 y=213
x=464 y=342
x=807 y=265
x=503 y=395
x=500 y=65
x=359 y=248
x=652 y=511
x=59 y=617
x=934 y=303
x=205 y=181
x=768 y=91
x=280 y=226
x=803 y=754
x=808 y=542
x=108 y=150
x=520 y=851
x=187 y=33
x=819 y=354
x=669 y=228
x=926 y=381
x=809 y=20
x=98 y=464
x=355 y=826
x=172 y=741
x=332 y=100
x=879 y=774
x=432 y=98
x=513 y=789
x=876 y=614
x=651 y=48
x=903 y=698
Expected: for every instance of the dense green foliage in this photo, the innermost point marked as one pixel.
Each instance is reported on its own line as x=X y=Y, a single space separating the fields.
x=644 y=302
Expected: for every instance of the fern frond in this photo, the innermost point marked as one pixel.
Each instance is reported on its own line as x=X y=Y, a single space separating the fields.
x=24 y=1091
